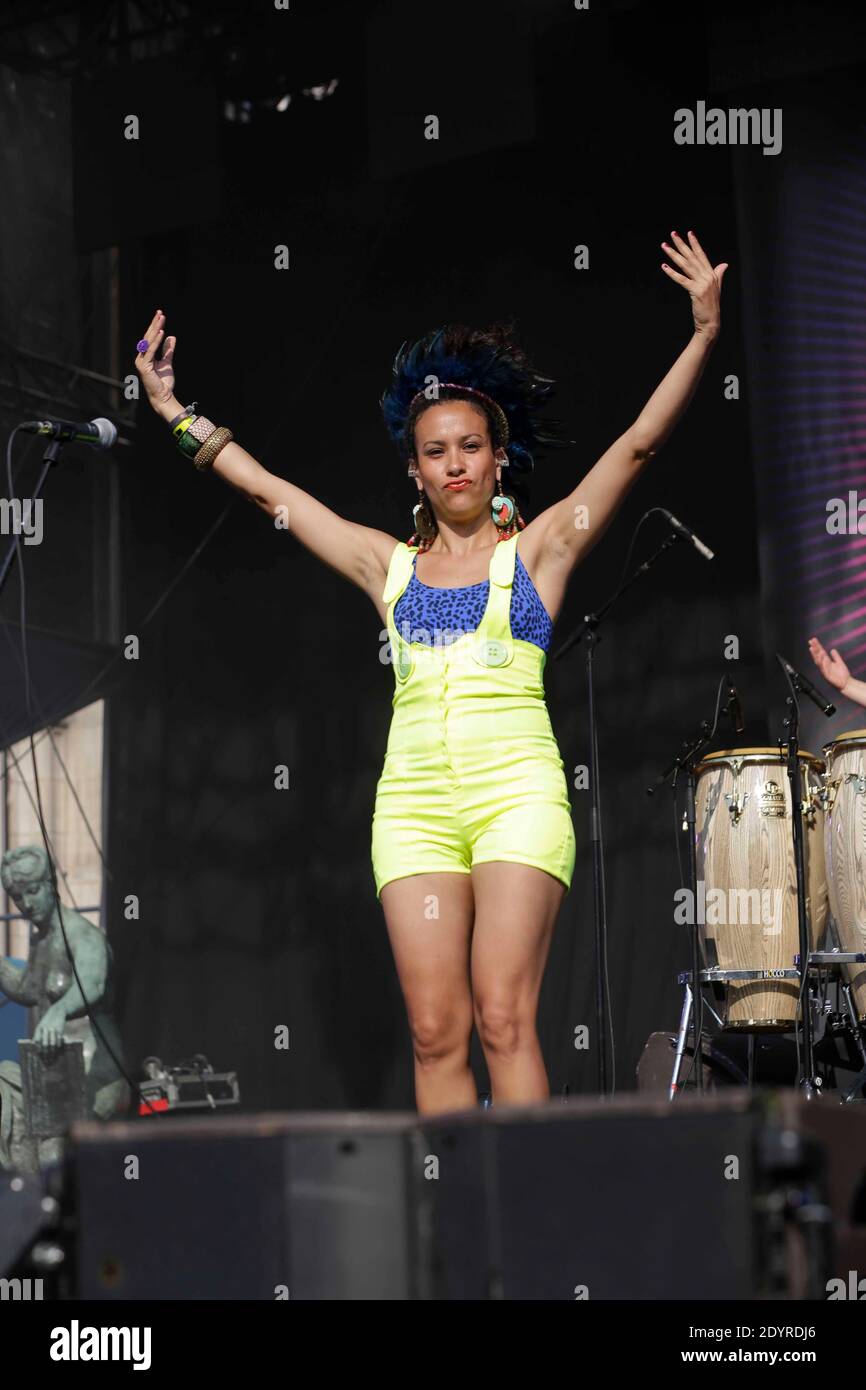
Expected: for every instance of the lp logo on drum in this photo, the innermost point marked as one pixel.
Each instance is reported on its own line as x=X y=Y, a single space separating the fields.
x=720 y=907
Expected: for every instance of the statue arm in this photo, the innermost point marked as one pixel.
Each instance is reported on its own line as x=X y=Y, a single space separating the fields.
x=13 y=983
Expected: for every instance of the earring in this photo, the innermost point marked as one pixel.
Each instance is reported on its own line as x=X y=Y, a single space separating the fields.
x=425 y=526
x=505 y=513
x=502 y=508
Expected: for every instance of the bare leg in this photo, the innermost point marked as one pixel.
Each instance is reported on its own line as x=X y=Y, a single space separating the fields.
x=516 y=907
x=429 y=919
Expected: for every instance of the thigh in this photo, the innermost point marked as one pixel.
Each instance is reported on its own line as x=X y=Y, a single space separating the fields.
x=516 y=906
x=429 y=919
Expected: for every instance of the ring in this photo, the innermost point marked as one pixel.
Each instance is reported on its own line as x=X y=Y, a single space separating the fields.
x=142 y=345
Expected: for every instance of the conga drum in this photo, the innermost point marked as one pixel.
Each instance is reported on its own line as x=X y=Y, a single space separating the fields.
x=845 y=850
x=747 y=873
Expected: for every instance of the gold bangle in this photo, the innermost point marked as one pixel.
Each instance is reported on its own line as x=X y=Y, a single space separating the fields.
x=211 y=447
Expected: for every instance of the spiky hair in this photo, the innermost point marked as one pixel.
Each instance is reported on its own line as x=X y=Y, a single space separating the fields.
x=488 y=360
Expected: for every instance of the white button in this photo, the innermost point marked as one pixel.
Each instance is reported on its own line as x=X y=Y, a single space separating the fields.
x=493 y=652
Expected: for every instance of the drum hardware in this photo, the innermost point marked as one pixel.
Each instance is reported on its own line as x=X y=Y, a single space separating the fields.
x=849 y=1021
x=827 y=793
x=736 y=805
x=713 y=975
x=824 y=1017
x=813 y=803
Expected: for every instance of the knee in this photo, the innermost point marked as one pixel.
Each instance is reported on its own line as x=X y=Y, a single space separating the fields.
x=439 y=1034
x=502 y=1027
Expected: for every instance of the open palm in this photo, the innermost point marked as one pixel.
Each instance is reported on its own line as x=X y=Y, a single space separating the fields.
x=830 y=664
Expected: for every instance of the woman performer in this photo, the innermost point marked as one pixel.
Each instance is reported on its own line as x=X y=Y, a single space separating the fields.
x=473 y=847
x=835 y=671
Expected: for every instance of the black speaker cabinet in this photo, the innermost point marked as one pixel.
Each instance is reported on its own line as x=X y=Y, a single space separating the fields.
x=311 y=1206
x=730 y=1196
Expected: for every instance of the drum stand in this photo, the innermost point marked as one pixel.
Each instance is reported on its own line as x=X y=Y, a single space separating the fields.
x=817 y=960
x=710 y=976
x=822 y=960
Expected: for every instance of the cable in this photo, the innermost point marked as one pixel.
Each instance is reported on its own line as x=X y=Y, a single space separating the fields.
x=49 y=734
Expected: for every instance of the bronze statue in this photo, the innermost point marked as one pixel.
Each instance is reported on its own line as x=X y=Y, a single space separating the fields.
x=46 y=983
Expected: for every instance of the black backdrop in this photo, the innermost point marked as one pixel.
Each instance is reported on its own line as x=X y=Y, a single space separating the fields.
x=257 y=906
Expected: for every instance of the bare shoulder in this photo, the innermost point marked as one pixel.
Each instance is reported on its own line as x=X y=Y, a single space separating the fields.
x=380 y=547
x=82 y=931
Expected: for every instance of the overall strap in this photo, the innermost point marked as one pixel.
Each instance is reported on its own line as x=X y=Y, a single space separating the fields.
x=399 y=572
x=494 y=642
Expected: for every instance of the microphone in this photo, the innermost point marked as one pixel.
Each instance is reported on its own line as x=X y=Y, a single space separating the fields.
x=803 y=683
x=687 y=535
x=101 y=433
x=734 y=708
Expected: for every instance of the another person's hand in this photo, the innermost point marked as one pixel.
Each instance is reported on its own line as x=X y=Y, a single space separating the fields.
x=157 y=374
x=702 y=280
x=831 y=665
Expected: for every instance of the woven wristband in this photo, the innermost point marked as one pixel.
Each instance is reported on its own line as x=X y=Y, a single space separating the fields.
x=191 y=434
x=215 y=441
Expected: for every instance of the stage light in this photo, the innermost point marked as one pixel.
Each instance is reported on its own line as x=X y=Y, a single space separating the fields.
x=323 y=90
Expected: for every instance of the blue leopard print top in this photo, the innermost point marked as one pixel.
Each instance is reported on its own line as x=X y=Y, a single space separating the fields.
x=433 y=616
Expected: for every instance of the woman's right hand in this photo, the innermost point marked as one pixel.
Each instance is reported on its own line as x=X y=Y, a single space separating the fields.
x=157 y=375
x=831 y=665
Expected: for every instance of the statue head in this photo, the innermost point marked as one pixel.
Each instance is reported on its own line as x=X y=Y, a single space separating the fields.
x=26 y=875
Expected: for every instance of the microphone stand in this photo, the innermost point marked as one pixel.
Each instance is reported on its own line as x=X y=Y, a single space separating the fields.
x=588 y=631
x=800 y=685
x=50 y=455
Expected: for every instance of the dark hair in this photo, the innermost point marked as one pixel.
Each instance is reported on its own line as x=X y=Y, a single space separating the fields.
x=489 y=360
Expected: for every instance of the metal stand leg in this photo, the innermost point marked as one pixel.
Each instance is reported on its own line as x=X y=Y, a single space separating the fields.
x=752 y=1048
x=854 y=1090
x=685 y=1018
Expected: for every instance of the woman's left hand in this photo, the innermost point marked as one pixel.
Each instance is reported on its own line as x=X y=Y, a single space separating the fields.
x=703 y=282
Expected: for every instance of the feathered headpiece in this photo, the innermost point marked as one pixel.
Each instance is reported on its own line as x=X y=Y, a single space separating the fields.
x=488 y=366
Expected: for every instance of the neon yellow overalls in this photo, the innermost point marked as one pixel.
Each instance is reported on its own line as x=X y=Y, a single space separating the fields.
x=472 y=770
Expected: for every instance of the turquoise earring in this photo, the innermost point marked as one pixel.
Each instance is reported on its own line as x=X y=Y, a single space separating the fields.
x=502 y=510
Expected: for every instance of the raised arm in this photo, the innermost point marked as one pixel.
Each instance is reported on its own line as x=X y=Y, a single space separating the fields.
x=567 y=531
x=835 y=670
x=359 y=553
